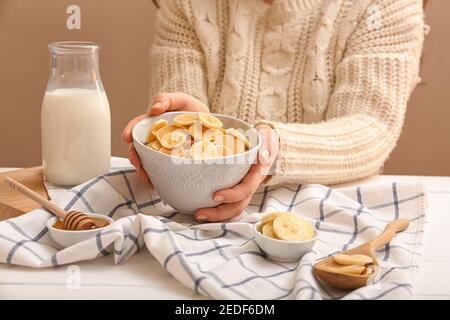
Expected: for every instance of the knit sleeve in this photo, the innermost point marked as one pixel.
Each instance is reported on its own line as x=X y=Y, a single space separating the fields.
x=176 y=57
x=366 y=110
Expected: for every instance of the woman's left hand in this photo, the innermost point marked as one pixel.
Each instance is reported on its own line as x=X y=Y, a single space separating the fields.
x=233 y=201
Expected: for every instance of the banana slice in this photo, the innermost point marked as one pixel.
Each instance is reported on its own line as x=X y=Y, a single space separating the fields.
x=162 y=131
x=188 y=129
x=211 y=134
x=210 y=121
x=353 y=269
x=235 y=133
x=354 y=259
x=209 y=150
x=188 y=143
x=196 y=151
x=267 y=230
x=368 y=270
x=259 y=227
x=196 y=131
x=270 y=217
x=151 y=136
x=156 y=145
x=166 y=151
x=184 y=119
x=239 y=146
x=177 y=152
x=180 y=126
x=199 y=132
x=223 y=151
x=173 y=140
x=201 y=150
x=290 y=227
x=235 y=145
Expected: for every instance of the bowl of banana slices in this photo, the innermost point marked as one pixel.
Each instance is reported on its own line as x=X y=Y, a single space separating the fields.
x=284 y=236
x=188 y=156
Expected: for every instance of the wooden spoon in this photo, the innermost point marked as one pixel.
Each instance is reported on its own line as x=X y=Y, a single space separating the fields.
x=324 y=269
x=72 y=220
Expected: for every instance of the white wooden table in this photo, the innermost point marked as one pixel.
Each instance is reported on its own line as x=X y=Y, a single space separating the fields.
x=142 y=277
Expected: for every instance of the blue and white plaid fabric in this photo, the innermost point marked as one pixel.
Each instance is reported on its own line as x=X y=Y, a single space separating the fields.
x=222 y=260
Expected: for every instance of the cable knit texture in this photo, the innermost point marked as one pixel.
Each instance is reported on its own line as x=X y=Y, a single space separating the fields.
x=332 y=77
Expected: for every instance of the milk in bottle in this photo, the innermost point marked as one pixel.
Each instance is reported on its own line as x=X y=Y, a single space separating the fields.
x=75 y=116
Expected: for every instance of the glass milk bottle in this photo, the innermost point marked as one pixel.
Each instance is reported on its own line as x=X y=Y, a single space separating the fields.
x=75 y=116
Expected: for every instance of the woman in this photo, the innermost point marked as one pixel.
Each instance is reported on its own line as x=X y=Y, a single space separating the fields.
x=325 y=81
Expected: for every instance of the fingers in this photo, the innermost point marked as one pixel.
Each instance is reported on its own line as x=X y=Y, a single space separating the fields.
x=134 y=157
x=243 y=190
x=142 y=175
x=160 y=104
x=136 y=162
x=268 y=150
x=234 y=200
x=222 y=212
x=174 y=101
x=237 y=198
x=269 y=144
x=126 y=133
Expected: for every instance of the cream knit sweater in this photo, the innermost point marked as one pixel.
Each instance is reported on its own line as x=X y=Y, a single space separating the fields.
x=332 y=77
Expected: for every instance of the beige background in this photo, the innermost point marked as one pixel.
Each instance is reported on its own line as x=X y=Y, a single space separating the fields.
x=125 y=29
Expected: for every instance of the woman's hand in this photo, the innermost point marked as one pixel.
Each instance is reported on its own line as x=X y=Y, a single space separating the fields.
x=235 y=200
x=163 y=102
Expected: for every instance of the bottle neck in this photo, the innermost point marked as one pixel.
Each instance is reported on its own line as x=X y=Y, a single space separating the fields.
x=72 y=69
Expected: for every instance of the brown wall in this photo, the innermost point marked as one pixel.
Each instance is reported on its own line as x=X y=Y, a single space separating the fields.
x=424 y=147
x=124 y=28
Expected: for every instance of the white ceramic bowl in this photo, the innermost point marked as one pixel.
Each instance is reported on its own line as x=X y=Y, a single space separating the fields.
x=67 y=238
x=282 y=250
x=186 y=184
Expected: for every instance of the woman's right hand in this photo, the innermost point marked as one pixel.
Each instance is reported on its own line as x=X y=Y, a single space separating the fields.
x=161 y=103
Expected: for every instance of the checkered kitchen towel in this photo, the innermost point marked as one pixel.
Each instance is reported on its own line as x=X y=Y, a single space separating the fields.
x=222 y=260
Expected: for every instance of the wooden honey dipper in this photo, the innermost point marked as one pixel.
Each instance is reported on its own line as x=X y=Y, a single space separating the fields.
x=72 y=220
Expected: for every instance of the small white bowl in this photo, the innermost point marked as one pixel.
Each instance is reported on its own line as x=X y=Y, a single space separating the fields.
x=283 y=250
x=67 y=238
